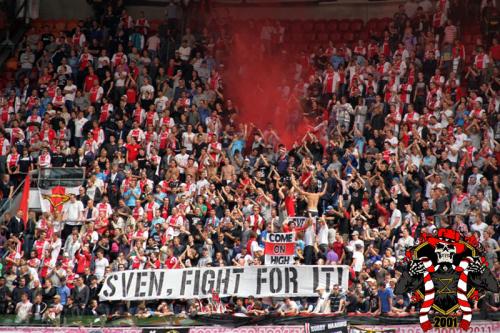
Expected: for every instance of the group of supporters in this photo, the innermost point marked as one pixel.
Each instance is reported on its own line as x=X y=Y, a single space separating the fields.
x=403 y=138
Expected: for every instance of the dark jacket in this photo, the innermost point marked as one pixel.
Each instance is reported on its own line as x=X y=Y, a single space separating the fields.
x=16 y=226
x=81 y=296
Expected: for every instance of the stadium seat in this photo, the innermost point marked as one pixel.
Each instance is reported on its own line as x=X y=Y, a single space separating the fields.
x=155 y=24
x=363 y=35
x=320 y=26
x=348 y=37
x=72 y=24
x=60 y=25
x=296 y=26
x=37 y=24
x=372 y=24
x=322 y=37
x=308 y=26
x=332 y=26
x=344 y=25
x=356 y=25
x=335 y=37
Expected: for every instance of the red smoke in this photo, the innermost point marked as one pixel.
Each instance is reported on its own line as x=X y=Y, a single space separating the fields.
x=253 y=78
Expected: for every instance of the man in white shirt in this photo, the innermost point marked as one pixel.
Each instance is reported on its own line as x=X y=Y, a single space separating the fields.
x=153 y=45
x=358 y=258
x=23 y=309
x=182 y=160
x=69 y=94
x=184 y=51
x=396 y=215
x=147 y=90
x=73 y=211
x=79 y=123
x=161 y=102
x=288 y=308
x=64 y=65
x=100 y=265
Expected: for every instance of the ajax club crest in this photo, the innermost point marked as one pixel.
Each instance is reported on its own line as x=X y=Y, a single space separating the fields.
x=445 y=272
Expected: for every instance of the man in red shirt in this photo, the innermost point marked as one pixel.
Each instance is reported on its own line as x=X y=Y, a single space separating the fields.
x=89 y=80
x=132 y=149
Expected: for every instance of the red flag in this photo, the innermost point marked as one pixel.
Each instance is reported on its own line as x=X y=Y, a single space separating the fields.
x=25 y=199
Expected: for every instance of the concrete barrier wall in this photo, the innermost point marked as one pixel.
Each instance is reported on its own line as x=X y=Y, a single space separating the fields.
x=79 y=9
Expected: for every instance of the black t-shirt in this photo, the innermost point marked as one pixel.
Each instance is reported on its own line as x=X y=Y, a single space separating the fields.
x=62 y=79
x=57 y=160
x=70 y=161
x=46 y=38
x=54 y=122
x=24 y=164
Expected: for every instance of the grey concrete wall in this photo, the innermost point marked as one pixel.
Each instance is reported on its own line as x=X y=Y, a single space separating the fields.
x=64 y=9
x=362 y=9
x=335 y=10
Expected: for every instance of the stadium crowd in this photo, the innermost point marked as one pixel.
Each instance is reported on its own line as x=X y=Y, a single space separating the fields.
x=403 y=138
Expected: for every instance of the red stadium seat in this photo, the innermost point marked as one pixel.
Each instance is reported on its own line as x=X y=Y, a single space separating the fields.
x=344 y=25
x=335 y=37
x=356 y=25
x=308 y=26
x=380 y=26
x=320 y=26
x=70 y=25
x=37 y=24
x=372 y=24
x=296 y=26
x=364 y=35
x=322 y=37
x=332 y=26
x=348 y=37
x=60 y=25
x=155 y=24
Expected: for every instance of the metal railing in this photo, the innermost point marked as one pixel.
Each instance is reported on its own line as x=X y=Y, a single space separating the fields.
x=7 y=204
x=44 y=179
x=67 y=177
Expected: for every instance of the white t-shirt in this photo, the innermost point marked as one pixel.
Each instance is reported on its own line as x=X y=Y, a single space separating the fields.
x=323 y=235
x=479 y=227
x=153 y=43
x=359 y=261
x=79 y=127
x=147 y=91
x=72 y=212
x=181 y=161
x=100 y=267
x=185 y=52
x=187 y=140
x=23 y=310
x=254 y=247
x=395 y=215
x=70 y=96
x=161 y=103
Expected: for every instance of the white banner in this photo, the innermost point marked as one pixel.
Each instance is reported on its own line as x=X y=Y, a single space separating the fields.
x=189 y=283
x=54 y=199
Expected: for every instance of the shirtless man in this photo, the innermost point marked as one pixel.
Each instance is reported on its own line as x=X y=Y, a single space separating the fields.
x=311 y=198
x=228 y=171
x=191 y=169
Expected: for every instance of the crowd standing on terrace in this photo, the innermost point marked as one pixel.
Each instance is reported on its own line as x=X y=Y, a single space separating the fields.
x=403 y=138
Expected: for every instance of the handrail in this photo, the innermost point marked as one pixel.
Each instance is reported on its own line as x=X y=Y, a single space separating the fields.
x=7 y=204
x=24 y=4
